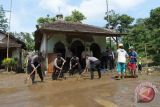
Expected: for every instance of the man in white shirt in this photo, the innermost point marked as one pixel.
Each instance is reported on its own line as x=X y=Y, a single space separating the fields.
x=83 y=56
x=93 y=63
x=121 y=61
x=58 y=66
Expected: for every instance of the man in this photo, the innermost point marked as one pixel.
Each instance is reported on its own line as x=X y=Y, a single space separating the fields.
x=58 y=66
x=74 y=65
x=140 y=65
x=68 y=58
x=121 y=61
x=93 y=64
x=133 y=61
x=35 y=63
x=111 y=59
x=83 y=56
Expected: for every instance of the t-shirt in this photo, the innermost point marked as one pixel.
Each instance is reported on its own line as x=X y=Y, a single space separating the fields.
x=122 y=54
x=58 y=62
x=35 y=59
x=90 y=59
x=133 y=56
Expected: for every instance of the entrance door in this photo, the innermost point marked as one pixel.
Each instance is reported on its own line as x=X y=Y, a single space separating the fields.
x=60 y=48
x=95 y=50
x=77 y=48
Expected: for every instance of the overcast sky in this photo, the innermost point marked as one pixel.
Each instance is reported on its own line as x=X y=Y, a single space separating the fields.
x=26 y=12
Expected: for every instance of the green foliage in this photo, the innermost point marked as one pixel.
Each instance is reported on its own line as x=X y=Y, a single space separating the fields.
x=27 y=38
x=143 y=35
x=43 y=20
x=9 y=62
x=114 y=19
x=6 y=62
x=76 y=16
x=3 y=20
x=125 y=22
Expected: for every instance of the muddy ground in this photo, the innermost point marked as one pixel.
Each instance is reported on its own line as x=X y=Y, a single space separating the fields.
x=73 y=92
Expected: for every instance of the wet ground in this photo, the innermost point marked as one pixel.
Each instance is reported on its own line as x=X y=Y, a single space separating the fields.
x=74 y=91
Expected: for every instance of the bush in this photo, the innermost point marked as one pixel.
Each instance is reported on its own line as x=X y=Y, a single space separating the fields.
x=9 y=62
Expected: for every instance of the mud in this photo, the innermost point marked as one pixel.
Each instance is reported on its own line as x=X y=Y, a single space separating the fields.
x=73 y=92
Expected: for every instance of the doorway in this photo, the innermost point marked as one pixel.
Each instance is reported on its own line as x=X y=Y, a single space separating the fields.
x=60 y=48
x=77 y=48
x=95 y=50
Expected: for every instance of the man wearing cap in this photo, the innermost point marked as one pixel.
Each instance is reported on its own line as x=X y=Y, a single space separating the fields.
x=121 y=61
x=133 y=60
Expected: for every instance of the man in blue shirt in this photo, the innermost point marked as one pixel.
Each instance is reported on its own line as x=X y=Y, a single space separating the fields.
x=133 y=61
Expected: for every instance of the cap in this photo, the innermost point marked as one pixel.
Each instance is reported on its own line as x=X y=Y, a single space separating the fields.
x=131 y=47
x=120 y=44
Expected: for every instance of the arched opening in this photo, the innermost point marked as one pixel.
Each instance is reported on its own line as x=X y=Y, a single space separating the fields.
x=95 y=50
x=77 y=48
x=60 y=48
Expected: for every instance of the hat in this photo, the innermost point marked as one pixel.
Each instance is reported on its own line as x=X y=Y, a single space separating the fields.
x=131 y=47
x=120 y=44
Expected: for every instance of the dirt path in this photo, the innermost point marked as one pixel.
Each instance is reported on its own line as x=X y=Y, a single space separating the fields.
x=105 y=92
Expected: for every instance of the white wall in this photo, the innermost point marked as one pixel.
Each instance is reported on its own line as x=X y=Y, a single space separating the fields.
x=56 y=37
x=43 y=44
x=101 y=41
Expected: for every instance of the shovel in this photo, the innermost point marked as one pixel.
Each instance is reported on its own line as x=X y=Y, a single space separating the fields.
x=28 y=77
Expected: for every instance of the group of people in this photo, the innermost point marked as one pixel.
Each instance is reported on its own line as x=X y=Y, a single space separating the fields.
x=90 y=63
x=108 y=59
x=123 y=63
x=34 y=64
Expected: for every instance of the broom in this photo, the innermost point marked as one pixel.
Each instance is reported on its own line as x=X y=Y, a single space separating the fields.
x=28 y=77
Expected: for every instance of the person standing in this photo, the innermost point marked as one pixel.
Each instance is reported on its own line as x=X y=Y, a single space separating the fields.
x=121 y=61
x=93 y=64
x=58 y=66
x=133 y=61
x=83 y=56
x=68 y=57
x=140 y=65
x=35 y=63
x=111 y=59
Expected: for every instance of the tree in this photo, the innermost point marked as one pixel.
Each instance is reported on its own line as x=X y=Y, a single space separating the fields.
x=3 y=20
x=113 y=20
x=125 y=22
x=26 y=38
x=76 y=16
x=145 y=32
x=48 y=19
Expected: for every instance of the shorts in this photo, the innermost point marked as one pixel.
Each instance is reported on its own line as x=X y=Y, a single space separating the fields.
x=132 y=66
x=121 y=67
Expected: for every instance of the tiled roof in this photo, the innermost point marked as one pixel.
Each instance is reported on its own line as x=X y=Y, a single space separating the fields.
x=76 y=27
x=13 y=42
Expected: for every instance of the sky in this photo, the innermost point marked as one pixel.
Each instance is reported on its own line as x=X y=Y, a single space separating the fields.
x=26 y=12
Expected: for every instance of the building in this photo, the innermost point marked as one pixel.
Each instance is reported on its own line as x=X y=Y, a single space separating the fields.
x=16 y=49
x=58 y=36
